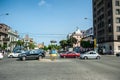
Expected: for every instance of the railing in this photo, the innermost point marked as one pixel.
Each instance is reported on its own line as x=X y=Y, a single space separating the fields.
x=6 y=39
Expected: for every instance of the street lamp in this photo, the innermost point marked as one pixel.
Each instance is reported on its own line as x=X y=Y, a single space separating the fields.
x=94 y=40
x=4 y=14
x=88 y=19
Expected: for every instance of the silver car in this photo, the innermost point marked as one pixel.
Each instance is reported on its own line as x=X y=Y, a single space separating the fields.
x=1 y=55
x=15 y=54
x=90 y=55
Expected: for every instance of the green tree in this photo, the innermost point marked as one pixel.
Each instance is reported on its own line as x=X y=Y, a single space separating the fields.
x=63 y=43
x=71 y=41
x=45 y=48
x=31 y=45
x=20 y=43
x=52 y=46
x=85 y=44
x=4 y=46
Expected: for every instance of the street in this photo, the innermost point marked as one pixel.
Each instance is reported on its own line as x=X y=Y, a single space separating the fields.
x=107 y=68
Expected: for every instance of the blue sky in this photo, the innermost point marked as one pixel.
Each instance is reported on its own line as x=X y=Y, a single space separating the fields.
x=38 y=18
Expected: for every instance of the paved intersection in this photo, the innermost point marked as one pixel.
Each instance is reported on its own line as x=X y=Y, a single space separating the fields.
x=108 y=68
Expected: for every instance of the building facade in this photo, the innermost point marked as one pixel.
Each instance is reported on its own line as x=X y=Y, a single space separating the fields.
x=78 y=35
x=27 y=40
x=3 y=35
x=89 y=35
x=13 y=37
x=7 y=37
x=106 y=22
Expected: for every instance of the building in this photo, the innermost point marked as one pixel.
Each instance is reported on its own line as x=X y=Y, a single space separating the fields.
x=41 y=45
x=26 y=41
x=106 y=22
x=7 y=37
x=3 y=35
x=13 y=37
x=78 y=35
x=89 y=34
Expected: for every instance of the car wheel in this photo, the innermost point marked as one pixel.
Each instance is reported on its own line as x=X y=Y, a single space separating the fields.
x=64 y=56
x=23 y=58
x=39 y=58
x=85 y=57
x=98 y=57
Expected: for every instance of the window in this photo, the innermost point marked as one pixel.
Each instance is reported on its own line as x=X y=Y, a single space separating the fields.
x=109 y=12
x=110 y=47
x=0 y=37
x=109 y=22
x=117 y=20
x=118 y=37
x=117 y=3
x=117 y=11
x=109 y=29
x=118 y=47
x=118 y=29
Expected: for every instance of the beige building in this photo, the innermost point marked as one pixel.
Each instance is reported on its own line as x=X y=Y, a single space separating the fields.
x=13 y=36
x=78 y=35
x=3 y=35
x=106 y=22
x=7 y=36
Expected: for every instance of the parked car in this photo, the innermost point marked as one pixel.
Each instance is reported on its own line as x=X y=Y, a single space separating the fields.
x=1 y=55
x=69 y=54
x=90 y=55
x=15 y=53
x=118 y=54
x=32 y=54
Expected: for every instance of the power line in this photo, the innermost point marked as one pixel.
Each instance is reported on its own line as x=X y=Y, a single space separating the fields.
x=42 y=34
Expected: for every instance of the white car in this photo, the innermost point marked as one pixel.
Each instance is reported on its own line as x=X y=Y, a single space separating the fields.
x=1 y=55
x=90 y=55
x=15 y=54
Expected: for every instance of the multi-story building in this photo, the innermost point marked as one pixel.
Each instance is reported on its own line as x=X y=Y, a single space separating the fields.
x=106 y=22
x=89 y=35
x=7 y=37
x=78 y=35
x=3 y=35
x=26 y=41
x=13 y=37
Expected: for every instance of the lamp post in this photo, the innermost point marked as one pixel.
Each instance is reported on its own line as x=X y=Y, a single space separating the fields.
x=4 y=39
x=4 y=14
x=95 y=45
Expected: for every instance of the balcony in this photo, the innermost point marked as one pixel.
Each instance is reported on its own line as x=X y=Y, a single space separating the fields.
x=6 y=39
x=3 y=31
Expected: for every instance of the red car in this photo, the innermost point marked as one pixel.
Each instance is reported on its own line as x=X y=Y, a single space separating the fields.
x=70 y=54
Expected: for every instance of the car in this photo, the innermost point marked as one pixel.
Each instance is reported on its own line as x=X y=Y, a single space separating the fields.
x=32 y=54
x=90 y=55
x=1 y=55
x=15 y=54
x=70 y=54
x=118 y=54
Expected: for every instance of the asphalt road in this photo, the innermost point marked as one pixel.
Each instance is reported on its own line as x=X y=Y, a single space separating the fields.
x=107 y=68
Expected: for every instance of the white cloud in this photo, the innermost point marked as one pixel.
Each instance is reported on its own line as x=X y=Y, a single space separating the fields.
x=42 y=3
